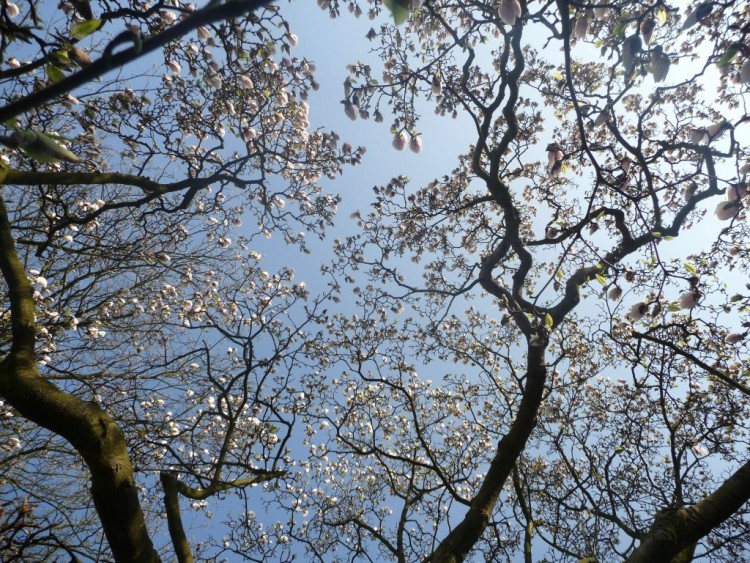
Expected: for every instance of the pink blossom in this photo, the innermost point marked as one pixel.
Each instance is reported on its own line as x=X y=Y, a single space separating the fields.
x=399 y=141
x=734 y=337
x=727 y=210
x=637 y=311
x=688 y=300
x=615 y=292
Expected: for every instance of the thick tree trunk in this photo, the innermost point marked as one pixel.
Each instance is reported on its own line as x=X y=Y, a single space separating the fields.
x=676 y=529
x=456 y=546
x=94 y=434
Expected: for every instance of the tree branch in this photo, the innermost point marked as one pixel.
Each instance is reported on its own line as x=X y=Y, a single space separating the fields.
x=94 y=434
x=180 y=542
x=200 y=494
x=674 y=530
x=456 y=546
x=213 y=12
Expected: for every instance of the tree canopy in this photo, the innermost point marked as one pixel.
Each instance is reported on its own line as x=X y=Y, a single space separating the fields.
x=539 y=354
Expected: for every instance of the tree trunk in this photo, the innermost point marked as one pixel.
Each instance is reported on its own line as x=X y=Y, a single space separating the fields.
x=93 y=433
x=456 y=546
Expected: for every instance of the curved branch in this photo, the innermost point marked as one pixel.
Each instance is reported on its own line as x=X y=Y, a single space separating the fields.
x=213 y=12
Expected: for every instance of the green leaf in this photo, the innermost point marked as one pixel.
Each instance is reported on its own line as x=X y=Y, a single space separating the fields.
x=656 y=234
x=661 y=13
x=548 y=320
x=674 y=307
x=729 y=55
x=557 y=75
x=42 y=147
x=54 y=73
x=83 y=29
x=619 y=30
x=601 y=279
x=690 y=268
x=61 y=57
x=399 y=9
x=559 y=274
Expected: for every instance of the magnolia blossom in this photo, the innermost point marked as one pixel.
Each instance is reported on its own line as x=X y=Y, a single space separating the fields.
x=350 y=110
x=415 y=145
x=637 y=311
x=727 y=210
x=436 y=85
x=734 y=337
x=509 y=10
x=699 y=450
x=70 y=101
x=615 y=292
x=168 y=17
x=174 y=67
x=399 y=141
x=735 y=192
x=581 y=27
x=213 y=80
x=203 y=33
x=659 y=64
x=688 y=300
x=11 y=9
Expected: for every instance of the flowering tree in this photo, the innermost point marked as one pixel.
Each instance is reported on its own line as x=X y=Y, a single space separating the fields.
x=574 y=287
x=587 y=392
x=141 y=334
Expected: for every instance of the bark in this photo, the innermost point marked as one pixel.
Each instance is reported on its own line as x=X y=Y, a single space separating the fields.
x=174 y=518
x=456 y=546
x=94 y=434
x=674 y=530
